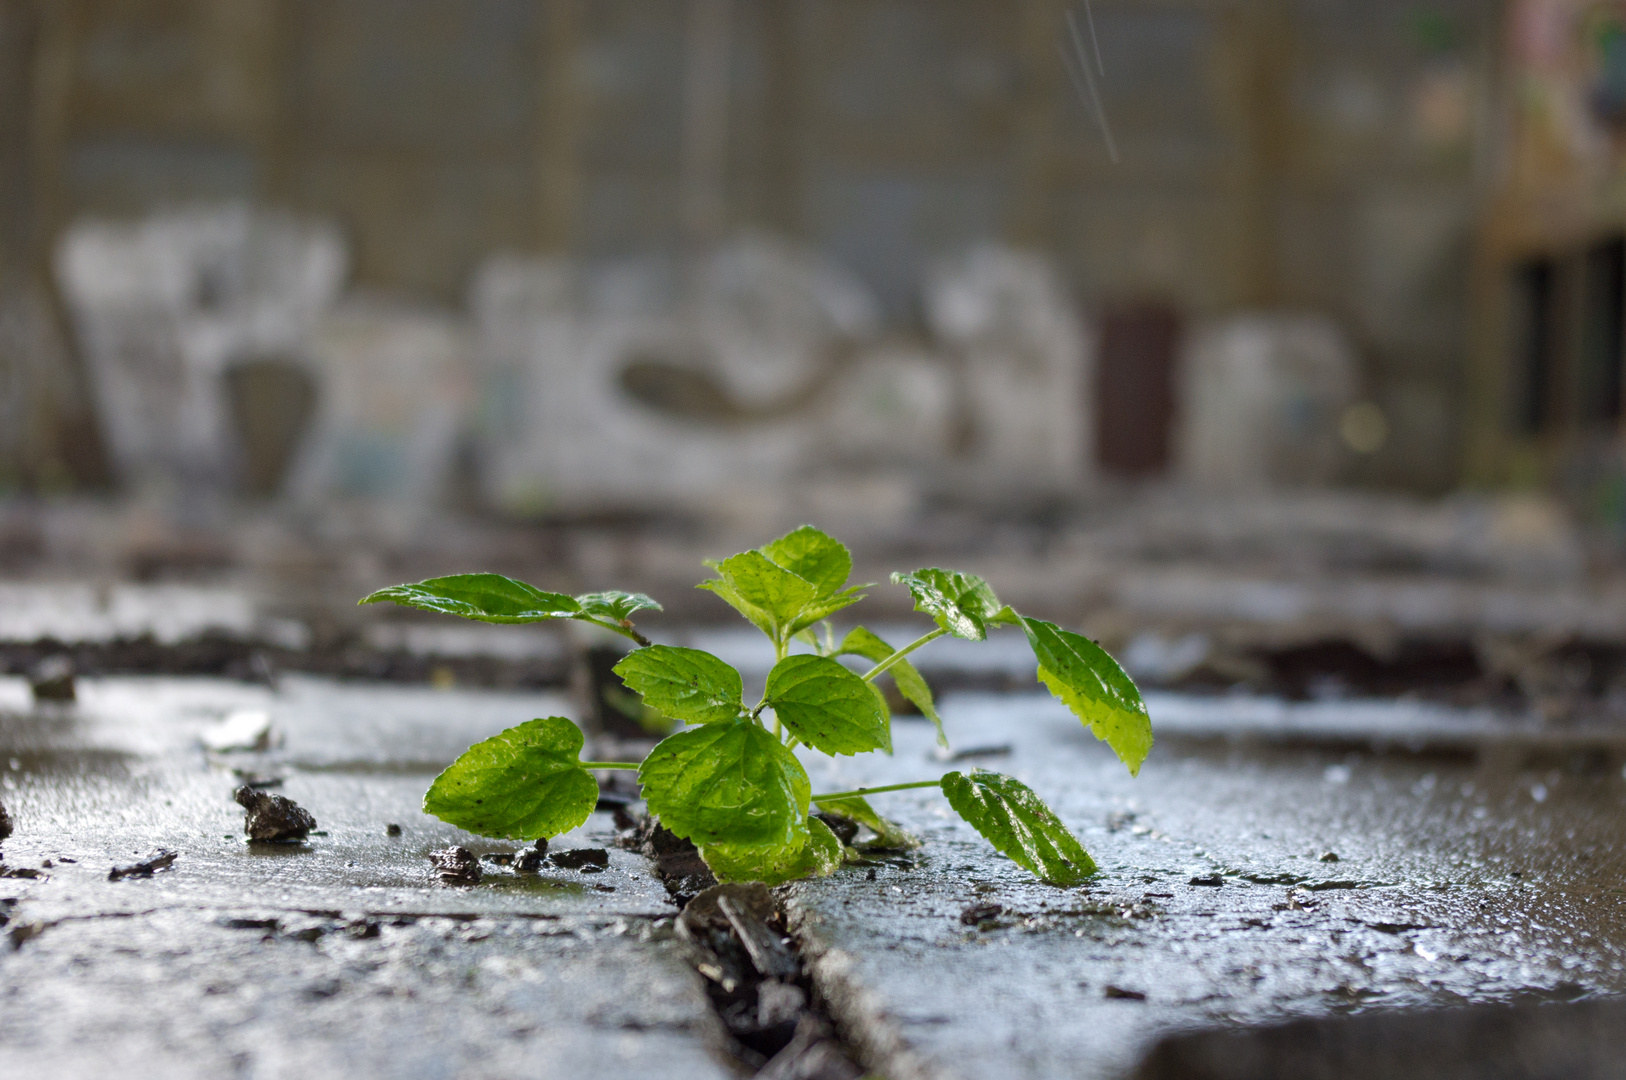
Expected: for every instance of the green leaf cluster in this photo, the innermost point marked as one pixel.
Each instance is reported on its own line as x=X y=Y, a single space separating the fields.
x=788 y=585
x=729 y=781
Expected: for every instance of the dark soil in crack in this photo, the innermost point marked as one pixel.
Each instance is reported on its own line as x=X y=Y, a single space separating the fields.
x=677 y=862
x=777 y=1023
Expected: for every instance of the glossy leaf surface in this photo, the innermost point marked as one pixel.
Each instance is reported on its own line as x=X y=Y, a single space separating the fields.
x=827 y=707
x=1097 y=690
x=820 y=560
x=730 y=783
x=689 y=684
x=486 y=597
x=615 y=605
x=962 y=604
x=524 y=783
x=819 y=856
x=1017 y=822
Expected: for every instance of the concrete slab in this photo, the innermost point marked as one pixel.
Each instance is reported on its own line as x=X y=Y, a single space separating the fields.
x=1238 y=886
x=342 y=956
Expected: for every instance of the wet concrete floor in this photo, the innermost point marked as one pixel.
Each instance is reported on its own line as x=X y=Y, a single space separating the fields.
x=1241 y=883
x=342 y=956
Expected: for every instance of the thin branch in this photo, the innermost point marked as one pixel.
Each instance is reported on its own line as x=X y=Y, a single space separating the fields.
x=901 y=653
x=859 y=793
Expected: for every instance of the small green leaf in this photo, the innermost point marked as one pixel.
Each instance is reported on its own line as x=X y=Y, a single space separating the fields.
x=820 y=560
x=962 y=604
x=1094 y=687
x=686 y=683
x=767 y=594
x=524 y=783
x=824 y=607
x=826 y=706
x=615 y=605
x=486 y=597
x=911 y=684
x=730 y=783
x=819 y=856
x=889 y=835
x=1017 y=822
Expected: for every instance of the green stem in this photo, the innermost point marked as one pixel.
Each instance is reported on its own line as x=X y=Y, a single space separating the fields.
x=617 y=628
x=861 y=792
x=901 y=653
x=610 y=765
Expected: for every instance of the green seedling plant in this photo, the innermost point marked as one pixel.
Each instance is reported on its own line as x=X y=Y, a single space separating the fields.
x=728 y=779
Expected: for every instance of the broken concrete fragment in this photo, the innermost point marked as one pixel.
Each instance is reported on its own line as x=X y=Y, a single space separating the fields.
x=587 y=860
x=52 y=679
x=530 y=860
x=767 y=949
x=456 y=866
x=147 y=867
x=273 y=818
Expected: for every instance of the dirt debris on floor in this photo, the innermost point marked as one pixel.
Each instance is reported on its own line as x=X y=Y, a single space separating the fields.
x=1459 y=878
x=676 y=861
x=456 y=866
x=271 y=818
x=162 y=860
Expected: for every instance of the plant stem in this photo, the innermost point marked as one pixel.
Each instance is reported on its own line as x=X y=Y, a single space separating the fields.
x=624 y=630
x=861 y=792
x=610 y=765
x=901 y=653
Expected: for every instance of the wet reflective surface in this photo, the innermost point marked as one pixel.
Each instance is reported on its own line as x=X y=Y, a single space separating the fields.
x=340 y=956
x=1240 y=883
x=1265 y=865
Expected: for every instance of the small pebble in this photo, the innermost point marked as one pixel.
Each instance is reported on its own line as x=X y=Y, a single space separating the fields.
x=1329 y=856
x=587 y=860
x=530 y=860
x=273 y=818
x=392 y=829
x=456 y=866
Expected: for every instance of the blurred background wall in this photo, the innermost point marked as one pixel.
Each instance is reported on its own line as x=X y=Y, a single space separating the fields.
x=1382 y=168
